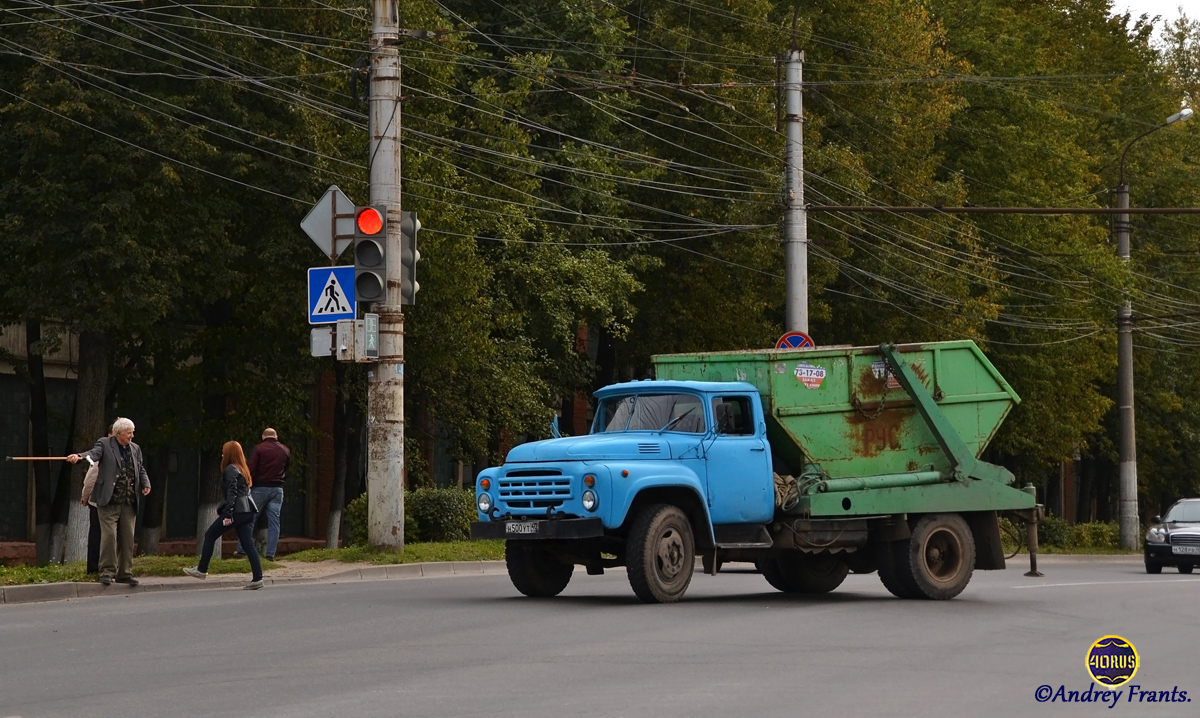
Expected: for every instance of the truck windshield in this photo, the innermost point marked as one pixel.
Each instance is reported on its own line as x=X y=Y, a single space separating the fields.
x=650 y=412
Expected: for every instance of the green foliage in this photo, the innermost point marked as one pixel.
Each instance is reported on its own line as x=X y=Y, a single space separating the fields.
x=142 y=566
x=441 y=514
x=354 y=518
x=1053 y=531
x=1057 y=535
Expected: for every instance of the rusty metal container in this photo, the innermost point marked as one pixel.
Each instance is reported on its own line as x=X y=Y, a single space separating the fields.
x=847 y=408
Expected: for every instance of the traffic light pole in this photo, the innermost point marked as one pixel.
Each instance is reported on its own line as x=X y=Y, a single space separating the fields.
x=385 y=390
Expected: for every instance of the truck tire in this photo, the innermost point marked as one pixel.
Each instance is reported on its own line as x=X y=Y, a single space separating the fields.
x=889 y=558
x=860 y=561
x=804 y=573
x=660 y=554
x=534 y=571
x=940 y=556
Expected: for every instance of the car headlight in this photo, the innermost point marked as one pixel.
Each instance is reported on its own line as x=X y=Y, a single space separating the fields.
x=589 y=500
x=1156 y=535
x=485 y=503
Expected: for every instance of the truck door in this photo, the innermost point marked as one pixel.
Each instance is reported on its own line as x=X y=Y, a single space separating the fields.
x=740 y=484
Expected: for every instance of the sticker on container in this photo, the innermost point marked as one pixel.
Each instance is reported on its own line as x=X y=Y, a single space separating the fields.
x=780 y=368
x=880 y=370
x=809 y=375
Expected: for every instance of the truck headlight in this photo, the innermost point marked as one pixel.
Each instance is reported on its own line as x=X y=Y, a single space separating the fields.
x=589 y=500
x=1156 y=535
x=485 y=503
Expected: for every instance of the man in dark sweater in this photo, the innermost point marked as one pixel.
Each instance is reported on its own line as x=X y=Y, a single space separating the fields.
x=268 y=469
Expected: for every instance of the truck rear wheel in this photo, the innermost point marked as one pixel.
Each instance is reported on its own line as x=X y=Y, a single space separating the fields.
x=661 y=554
x=804 y=573
x=534 y=571
x=940 y=556
x=889 y=558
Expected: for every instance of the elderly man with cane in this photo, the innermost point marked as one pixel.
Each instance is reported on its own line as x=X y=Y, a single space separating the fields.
x=120 y=483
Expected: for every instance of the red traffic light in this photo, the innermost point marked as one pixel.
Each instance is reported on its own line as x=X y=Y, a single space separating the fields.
x=369 y=221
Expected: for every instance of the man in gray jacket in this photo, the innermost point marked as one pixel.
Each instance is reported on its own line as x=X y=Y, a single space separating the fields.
x=120 y=483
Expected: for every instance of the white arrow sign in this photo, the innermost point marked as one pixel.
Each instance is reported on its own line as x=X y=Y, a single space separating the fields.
x=330 y=222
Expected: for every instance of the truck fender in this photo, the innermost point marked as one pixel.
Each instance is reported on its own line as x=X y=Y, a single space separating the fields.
x=676 y=485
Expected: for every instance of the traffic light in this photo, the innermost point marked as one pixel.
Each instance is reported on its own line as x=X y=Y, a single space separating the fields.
x=409 y=256
x=370 y=254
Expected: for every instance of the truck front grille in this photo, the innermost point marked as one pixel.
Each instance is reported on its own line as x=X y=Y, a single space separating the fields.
x=534 y=489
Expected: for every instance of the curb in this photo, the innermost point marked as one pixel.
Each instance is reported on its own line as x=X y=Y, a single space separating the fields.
x=37 y=593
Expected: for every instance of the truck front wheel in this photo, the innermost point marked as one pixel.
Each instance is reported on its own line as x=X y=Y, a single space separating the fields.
x=804 y=573
x=940 y=556
x=660 y=554
x=534 y=570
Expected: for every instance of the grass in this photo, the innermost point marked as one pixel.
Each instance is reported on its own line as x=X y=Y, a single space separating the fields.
x=174 y=565
x=412 y=553
x=142 y=566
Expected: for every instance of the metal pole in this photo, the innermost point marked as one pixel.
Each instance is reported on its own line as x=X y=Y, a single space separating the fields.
x=1127 y=471
x=385 y=391
x=795 y=225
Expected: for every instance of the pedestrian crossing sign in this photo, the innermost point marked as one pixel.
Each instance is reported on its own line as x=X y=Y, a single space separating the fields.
x=330 y=294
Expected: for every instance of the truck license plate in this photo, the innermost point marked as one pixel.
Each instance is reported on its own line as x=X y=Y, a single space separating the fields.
x=1186 y=549
x=522 y=527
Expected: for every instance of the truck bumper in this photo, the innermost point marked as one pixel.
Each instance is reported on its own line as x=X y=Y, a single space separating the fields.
x=537 y=529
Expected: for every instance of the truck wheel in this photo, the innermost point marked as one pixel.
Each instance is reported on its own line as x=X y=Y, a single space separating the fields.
x=860 y=561
x=889 y=557
x=940 y=556
x=660 y=554
x=534 y=571
x=804 y=573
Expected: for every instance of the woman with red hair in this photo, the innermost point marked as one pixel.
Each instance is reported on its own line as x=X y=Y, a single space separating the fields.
x=237 y=511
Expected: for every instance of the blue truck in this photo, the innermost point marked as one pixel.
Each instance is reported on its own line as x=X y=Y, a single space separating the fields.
x=810 y=464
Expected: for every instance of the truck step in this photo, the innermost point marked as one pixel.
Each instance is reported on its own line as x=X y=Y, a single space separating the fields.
x=742 y=536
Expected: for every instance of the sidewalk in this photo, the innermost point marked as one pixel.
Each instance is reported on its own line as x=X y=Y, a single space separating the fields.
x=322 y=572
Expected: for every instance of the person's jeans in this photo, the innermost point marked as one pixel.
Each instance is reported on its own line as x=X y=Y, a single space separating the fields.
x=243 y=523
x=269 y=500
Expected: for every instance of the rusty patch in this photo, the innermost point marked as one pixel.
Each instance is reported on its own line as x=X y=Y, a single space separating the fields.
x=869 y=384
x=919 y=370
x=870 y=437
x=911 y=466
x=924 y=449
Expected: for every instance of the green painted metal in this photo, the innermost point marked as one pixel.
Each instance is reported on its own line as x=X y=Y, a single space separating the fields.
x=950 y=496
x=887 y=481
x=823 y=406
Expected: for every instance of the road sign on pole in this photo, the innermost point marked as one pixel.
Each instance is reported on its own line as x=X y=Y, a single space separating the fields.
x=330 y=223
x=330 y=294
x=795 y=340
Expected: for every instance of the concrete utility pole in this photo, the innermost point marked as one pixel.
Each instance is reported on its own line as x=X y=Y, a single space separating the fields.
x=1127 y=468
x=385 y=390
x=795 y=225
x=1127 y=471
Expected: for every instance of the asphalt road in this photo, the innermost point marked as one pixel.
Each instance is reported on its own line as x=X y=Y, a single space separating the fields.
x=471 y=646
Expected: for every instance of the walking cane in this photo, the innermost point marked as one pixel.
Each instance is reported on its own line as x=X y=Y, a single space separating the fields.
x=36 y=458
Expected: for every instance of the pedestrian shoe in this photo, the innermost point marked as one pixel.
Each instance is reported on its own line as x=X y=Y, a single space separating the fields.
x=129 y=580
x=253 y=585
x=195 y=573
x=239 y=554
x=269 y=558
x=105 y=580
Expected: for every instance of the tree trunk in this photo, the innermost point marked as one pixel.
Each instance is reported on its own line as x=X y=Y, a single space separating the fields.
x=90 y=392
x=345 y=415
x=154 y=504
x=39 y=435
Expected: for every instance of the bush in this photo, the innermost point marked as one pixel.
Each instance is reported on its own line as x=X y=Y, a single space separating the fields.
x=1096 y=535
x=440 y=514
x=355 y=520
x=1053 y=531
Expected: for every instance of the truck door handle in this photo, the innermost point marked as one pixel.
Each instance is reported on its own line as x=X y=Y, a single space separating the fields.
x=758 y=448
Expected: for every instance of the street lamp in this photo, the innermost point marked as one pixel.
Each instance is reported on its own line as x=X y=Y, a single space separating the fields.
x=1128 y=515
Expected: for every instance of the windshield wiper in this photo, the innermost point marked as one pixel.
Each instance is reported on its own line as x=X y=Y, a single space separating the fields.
x=676 y=420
